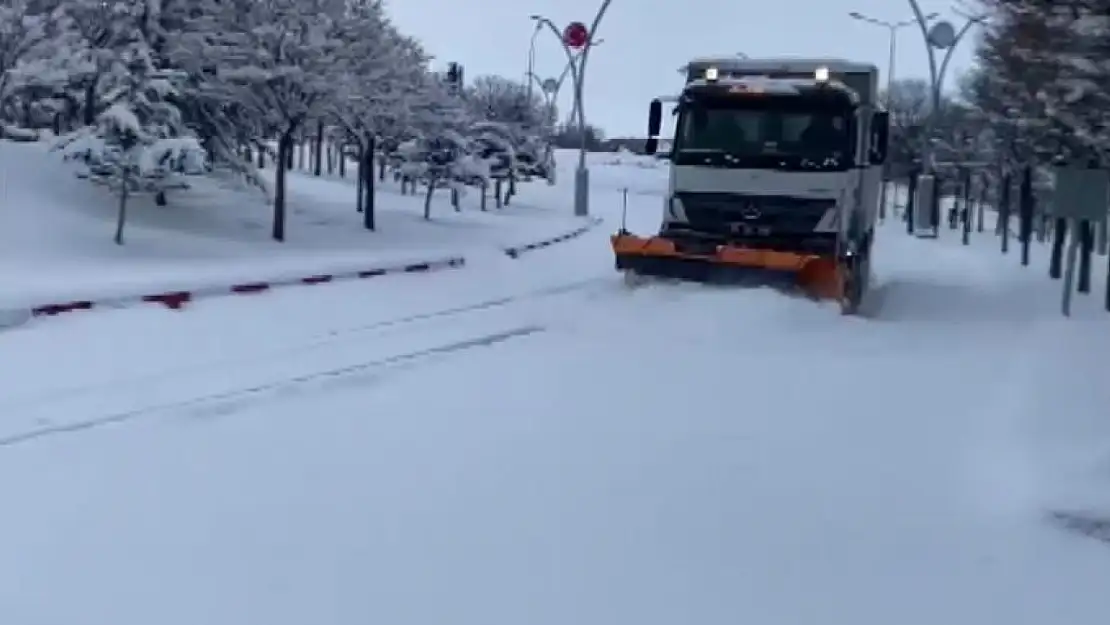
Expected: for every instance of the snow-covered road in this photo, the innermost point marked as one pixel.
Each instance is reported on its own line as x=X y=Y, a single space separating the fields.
x=530 y=442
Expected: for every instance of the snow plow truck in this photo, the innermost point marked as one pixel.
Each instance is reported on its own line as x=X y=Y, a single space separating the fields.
x=775 y=175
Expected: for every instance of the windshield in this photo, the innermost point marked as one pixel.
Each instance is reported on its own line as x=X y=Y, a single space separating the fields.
x=724 y=134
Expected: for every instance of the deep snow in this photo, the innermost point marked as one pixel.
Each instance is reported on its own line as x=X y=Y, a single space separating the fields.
x=529 y=441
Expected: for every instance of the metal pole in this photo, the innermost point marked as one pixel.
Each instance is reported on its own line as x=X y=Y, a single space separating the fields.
x=1069 y=267
x=578 y=75
x=889 y=90
x=532 y=57
x=582 y=176
x=890 y=62
x=892 y=28
x=892 y=31
x=934 y=92
x=936 y=81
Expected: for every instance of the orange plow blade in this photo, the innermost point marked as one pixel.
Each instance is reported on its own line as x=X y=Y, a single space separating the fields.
x=821 y=278
x=818 y=276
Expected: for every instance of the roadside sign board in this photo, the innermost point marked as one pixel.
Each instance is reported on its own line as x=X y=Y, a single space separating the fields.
x=1080 y=193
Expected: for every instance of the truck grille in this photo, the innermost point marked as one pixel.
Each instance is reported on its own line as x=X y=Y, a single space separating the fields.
x=722 y=213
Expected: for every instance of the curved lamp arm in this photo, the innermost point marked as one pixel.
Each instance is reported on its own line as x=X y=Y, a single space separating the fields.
x=921 y=22
x=543 y=21
x=589 y=45
x=960 y=35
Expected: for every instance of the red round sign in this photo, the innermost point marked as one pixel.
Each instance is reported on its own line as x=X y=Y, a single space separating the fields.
x=576 y=35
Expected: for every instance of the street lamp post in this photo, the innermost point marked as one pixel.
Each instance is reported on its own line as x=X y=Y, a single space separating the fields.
x=550 y=90
x=941 y=36
x=578 y=74
x=892 y=28
x=532 y=57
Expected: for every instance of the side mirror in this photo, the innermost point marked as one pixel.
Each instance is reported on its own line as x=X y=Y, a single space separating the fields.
x=655 y=124
x=880 y=137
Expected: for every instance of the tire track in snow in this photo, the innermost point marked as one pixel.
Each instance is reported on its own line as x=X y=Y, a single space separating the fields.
x=313 y=342
x=232 y=400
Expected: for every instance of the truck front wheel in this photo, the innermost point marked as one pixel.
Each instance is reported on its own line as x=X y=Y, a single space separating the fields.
x=855 y=272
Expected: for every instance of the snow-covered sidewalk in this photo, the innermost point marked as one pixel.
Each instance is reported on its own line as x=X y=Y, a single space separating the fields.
x=55 y=233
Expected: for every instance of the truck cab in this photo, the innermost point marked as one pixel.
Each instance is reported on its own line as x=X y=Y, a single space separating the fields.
x=782 y=154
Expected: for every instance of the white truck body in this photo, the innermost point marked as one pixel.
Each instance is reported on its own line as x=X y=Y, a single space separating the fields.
x=772 y=187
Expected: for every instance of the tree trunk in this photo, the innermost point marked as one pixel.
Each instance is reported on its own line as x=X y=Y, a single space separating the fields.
x=342 y=156
x=360 y=179
x=368 y=216
x=319 y=164
x=90 y=104
x=428 y=197
x=285 y=157
x=121 y=216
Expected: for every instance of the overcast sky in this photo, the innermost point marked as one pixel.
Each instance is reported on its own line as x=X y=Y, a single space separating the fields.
x=646 y=41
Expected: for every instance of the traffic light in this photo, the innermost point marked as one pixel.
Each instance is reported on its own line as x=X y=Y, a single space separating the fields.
x=455 y=77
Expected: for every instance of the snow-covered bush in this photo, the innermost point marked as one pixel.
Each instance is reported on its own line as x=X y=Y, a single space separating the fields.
x=496 y=144
x=443 y=159
x=535 y=158
x=520 y=116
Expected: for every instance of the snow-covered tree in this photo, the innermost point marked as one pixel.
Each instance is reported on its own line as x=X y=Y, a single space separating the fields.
x=1043 y=77
x=147 y=82
x=440 y=123
x=526 y=117
x=495 y=143
x=88 y=51
x=138 y=144
x=499 y=99
x=24 y=29
x=378 y=72
x=188 y=36
x=274 y=58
